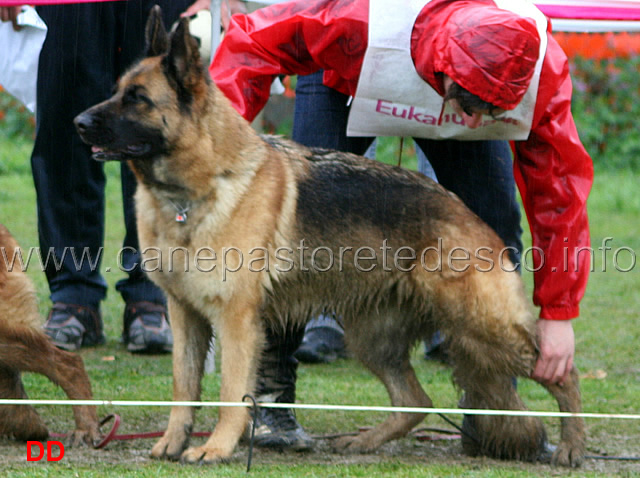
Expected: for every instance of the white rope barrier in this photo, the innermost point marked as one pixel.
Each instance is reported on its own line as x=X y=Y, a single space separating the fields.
x=458 y=411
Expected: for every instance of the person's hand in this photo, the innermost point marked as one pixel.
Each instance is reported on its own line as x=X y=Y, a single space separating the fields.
x=557 y=348
x=195 y=7
x=10 y=14
x=227 y=8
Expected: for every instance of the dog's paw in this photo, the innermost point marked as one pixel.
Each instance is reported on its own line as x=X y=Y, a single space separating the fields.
x=568 y=455
x=352 y=444
x=23 y=423
x=169 y=447
x=203 y=455
x=83 y=438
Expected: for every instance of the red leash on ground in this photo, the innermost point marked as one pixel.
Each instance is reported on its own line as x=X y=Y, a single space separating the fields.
x=420 y=435
x=131 y=436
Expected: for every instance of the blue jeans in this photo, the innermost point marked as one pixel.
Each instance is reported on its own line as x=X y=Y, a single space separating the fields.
x=479 y=172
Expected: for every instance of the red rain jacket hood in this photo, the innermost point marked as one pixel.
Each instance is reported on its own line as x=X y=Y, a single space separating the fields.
x=488 y=51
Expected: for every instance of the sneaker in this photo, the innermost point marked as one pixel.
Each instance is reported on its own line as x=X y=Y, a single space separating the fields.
x=146 y=328
x=71 y=326
x=277 y=428
x=321 y=345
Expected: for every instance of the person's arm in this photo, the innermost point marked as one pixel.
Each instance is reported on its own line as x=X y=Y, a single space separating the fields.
x=286 y=39
x=554 y=174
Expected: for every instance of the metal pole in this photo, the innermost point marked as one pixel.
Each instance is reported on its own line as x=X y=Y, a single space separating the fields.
x=214 y=9
x=215 y=25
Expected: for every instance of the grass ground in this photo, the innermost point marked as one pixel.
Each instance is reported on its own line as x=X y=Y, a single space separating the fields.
x=607 y=354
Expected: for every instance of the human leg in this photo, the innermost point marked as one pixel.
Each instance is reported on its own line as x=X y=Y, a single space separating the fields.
x=481 y=174
x=74 y=73
x=276 y=383
x=320 y=119
x=145 y=322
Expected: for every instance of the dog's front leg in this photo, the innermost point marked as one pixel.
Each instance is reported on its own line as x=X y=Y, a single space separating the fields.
x=191 y=336
x=571 y=449
x=240 y=337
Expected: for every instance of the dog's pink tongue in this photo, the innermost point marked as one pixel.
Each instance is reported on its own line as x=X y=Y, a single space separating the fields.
x=96 y=149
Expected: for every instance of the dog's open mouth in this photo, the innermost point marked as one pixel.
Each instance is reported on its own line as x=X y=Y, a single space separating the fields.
x=129 y=152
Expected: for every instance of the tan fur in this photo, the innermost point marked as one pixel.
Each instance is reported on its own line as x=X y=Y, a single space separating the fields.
x=25 y=348
x=189 y=148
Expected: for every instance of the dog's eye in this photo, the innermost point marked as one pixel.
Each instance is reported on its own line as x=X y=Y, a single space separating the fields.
x=134 y=95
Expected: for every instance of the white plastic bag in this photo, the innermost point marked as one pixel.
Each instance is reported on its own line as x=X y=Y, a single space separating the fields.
x=19 y=53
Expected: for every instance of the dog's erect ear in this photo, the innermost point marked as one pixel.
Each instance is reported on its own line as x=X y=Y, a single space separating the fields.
x=183 y=63
x=184 y=51
x=156 y=34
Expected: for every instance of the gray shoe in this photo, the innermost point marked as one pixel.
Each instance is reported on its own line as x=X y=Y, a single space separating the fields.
x=71 y=326
x=146 y=328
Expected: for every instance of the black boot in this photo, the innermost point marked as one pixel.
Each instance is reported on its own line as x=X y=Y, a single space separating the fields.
x=436 y=349
x=276 y=383
x=323 y=341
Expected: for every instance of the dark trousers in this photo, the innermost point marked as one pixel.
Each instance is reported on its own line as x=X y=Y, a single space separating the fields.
x=88 y=46
x=479 y=172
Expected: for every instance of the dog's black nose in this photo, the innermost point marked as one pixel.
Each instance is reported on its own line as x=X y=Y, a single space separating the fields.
x=83 y=122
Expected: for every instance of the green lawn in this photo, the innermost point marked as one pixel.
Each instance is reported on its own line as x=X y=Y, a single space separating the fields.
x=607 y=354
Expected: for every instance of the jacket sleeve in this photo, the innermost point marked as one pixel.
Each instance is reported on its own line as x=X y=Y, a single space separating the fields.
x=554 y=174
x=286 y=39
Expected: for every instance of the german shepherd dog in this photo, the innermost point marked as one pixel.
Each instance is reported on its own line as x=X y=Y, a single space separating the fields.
x=25 y=348
x=283 y=232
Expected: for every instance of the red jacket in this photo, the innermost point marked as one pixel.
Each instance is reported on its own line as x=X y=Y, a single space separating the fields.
x=553 y=171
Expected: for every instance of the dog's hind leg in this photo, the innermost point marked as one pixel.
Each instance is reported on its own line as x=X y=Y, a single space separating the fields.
x=405 y=391
x=31 y=351
x=500 y=436
x=67 y=370
x=385 y=352
x=191 y=336
x=485 y=369
x=571 y=449
x=491 y=338
x=240 y=337
x=20 y=421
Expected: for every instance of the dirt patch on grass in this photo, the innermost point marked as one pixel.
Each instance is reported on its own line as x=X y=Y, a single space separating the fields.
x=409 y=450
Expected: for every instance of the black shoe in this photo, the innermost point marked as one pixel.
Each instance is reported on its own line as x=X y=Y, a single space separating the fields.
x=436 y=349
x=146 y=328
x=321 y=345
x=546 y=454
x=71 y=326
x=277 y=428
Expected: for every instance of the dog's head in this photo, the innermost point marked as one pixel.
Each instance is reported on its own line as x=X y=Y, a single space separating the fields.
x=144 y=119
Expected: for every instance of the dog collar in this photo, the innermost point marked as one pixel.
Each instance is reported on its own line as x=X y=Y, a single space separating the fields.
x=181 y=211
